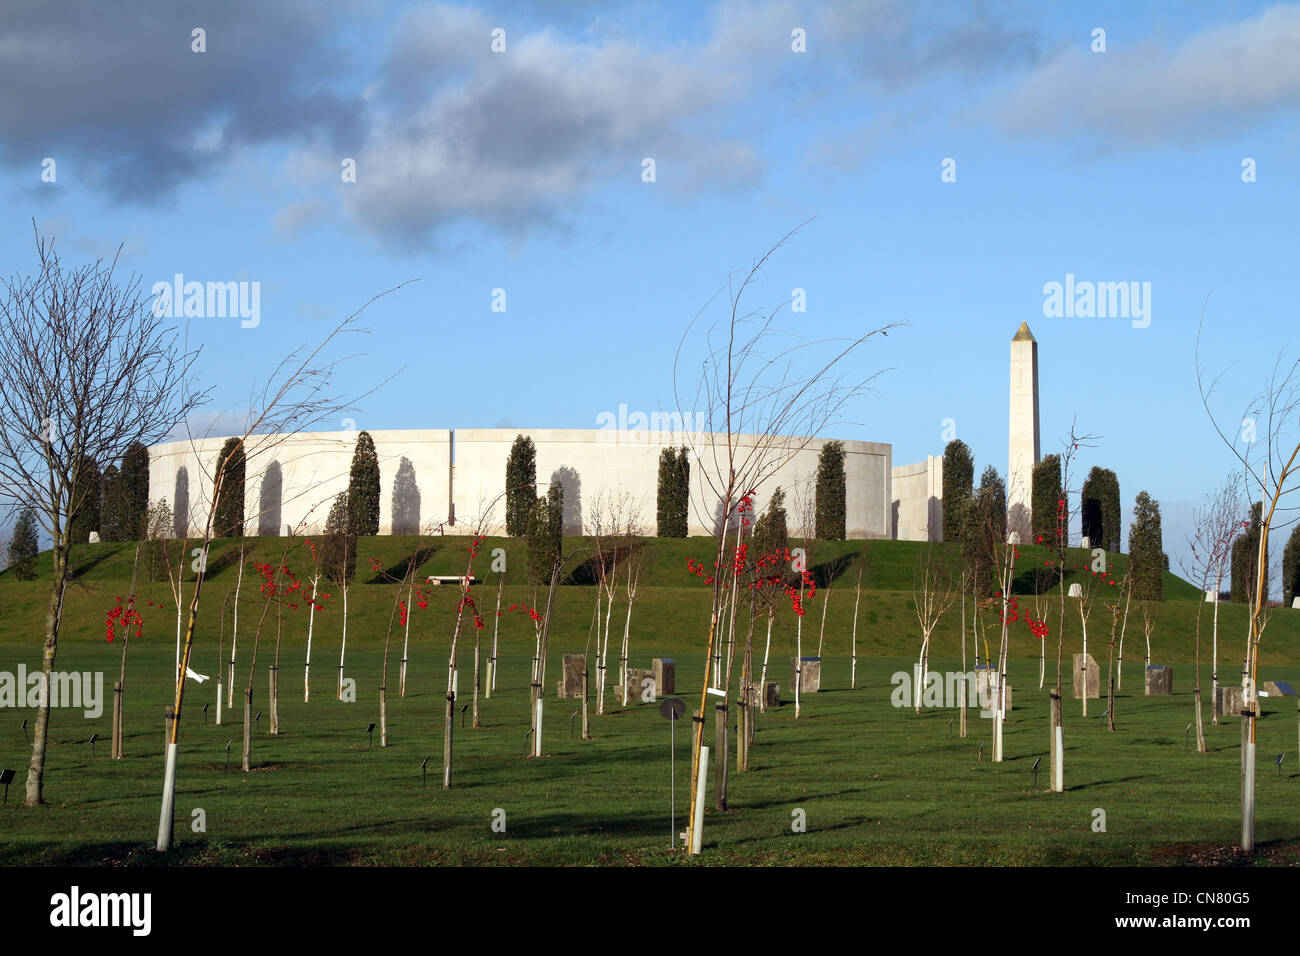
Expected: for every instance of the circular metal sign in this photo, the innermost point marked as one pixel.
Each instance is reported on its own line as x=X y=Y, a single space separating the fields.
x=672 y=707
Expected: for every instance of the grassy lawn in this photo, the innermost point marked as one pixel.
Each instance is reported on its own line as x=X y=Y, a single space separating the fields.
x=877 y=784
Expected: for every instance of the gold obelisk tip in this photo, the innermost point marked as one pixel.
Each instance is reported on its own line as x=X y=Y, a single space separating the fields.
x=1023 y=334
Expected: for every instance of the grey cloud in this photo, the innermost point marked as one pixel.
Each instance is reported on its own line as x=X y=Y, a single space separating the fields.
x=1221 y=80
x=116 y=88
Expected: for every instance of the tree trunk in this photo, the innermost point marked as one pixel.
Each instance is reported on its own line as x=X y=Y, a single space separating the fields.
x=962 y=703
x=477 y=632
x=1110 y=693
x=762 y=681
x=798 y=642
x=1057 y=743
x=821 y=633
x=449 y=721
x=306 y=670
x=745 y=716
x=234 y=634
x=720 y=773
x=248 y=729
x=853 y=661
x=1200 y=723
x=344 y=648
x=586 y=709
x=274 y=709
x=1084 y=621
x=1215 y=711
x=492 y=657
x=383 y=716
x=627 y=636
x=603 y=659
x=53 y=616
x=406 y=645
x=116 y=749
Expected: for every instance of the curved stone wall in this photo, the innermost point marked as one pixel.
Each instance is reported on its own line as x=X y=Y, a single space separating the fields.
x=423 y=473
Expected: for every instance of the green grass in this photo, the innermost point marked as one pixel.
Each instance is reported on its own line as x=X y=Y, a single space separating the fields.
x=878 y=785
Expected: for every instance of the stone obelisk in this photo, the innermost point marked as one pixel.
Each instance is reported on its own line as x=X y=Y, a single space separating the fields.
x=1023 y=447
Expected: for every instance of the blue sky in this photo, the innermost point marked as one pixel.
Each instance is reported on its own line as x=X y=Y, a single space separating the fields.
x=522 y=171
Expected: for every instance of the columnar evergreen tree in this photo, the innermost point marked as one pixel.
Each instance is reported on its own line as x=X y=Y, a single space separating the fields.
x=1100 y=504
x=770 y=530
x=23 y=549
x=832 y=493
x=1245 y=555
x=979 y=536
x=673 y=500
x=1291 y=567
x=1146 y=549
x=406 y=500
x=521 y=481
x=958 y=483
x=1044 y=495
x=113 y=522
x=134 y=477
x=1111 y=519
x=363 y=487
x=338 y=543
x=545 y=534
x=86 y=518
x=991 y=502
x=228 y=522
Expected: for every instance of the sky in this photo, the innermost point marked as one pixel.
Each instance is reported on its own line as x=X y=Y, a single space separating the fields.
x=943 y=164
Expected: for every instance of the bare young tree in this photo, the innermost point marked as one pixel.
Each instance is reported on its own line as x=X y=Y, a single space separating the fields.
x=635 y=564
x=863 y=561
x=1271 y=466
x=1215 y=526
x=234 y=619
x=1148 y=628
x=1070 y=446
x=759 y=409
x=125 y=618
x=805 y=510
x=933 y=592
x=86 y=369
x=295 y=397
x=1128 y=602
x=314 y=577
x=614 y=523
x=1089 y=587
x=274 y=592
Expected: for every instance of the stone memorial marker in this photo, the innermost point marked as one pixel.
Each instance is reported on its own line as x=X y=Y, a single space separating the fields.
x=1229 y=700
x=985 y=689
x=773 y=694
x=569 y=687
x=811 y=678
x=1086 y=672
x=665 y=675
x=636 y=678
x=1160 y=681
